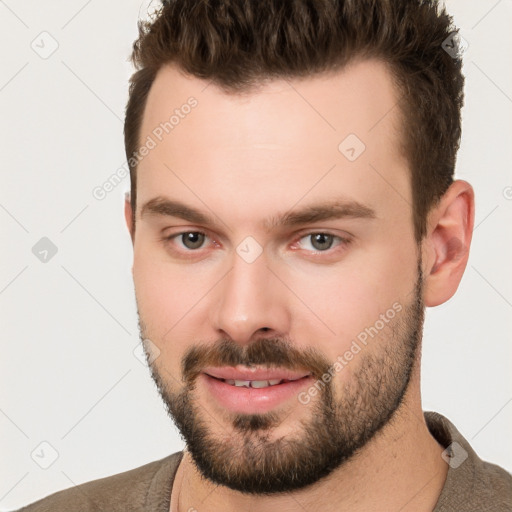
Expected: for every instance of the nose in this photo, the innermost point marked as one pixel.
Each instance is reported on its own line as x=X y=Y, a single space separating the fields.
x=250 y=301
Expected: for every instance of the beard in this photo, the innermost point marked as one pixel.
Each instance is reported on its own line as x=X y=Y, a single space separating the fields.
x=249 y=458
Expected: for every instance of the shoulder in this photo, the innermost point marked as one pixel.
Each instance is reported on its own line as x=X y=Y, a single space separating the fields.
x=144 y=488
x=472 y=484
x=478 y=487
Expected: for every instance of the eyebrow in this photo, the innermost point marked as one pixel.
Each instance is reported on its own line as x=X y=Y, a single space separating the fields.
x=329 y=210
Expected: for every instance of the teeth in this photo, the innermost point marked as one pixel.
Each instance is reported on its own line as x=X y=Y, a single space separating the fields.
x=259 y=383
x=245 y=383
x=253 y=383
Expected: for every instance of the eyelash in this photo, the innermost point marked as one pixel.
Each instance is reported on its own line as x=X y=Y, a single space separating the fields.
x=343 y=241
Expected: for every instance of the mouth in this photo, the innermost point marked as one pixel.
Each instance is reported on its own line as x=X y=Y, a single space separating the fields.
x=254 y=374
x=253 y=390
x=258 y=384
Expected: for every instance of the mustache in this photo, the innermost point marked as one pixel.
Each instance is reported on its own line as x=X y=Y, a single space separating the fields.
x=267 y=352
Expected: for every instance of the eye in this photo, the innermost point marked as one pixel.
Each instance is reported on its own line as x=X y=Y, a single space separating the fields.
x=320 y=242
x=190 y=240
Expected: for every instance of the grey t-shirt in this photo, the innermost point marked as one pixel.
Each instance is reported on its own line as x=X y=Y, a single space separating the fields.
x=472 y=485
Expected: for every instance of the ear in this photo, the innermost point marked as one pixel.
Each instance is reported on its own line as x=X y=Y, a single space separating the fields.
x=128 y=215
x=446 y=244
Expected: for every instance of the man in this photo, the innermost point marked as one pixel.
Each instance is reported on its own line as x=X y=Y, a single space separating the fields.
x=292 y=213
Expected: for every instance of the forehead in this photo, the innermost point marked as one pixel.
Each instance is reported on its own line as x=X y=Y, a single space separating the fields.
x=335 y=133
x=360 y=98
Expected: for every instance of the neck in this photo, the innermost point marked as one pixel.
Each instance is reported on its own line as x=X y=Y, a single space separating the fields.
x=399 y=469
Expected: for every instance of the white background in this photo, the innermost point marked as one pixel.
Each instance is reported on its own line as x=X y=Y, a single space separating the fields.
x=68 y=374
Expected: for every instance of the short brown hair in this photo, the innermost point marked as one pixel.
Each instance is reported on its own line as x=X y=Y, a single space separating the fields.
x=239 y=44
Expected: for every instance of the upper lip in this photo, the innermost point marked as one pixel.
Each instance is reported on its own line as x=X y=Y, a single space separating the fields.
x=257 y=373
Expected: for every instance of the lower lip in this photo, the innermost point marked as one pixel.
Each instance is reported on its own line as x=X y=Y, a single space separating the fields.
x=246 y=400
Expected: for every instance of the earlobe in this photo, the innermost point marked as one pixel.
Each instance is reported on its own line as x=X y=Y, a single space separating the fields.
x=450 y=229
x=128 y=214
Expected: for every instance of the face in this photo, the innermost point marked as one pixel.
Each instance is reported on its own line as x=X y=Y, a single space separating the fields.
x=277 y=278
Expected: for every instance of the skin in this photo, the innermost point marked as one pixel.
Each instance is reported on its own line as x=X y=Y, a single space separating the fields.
x=242 y=159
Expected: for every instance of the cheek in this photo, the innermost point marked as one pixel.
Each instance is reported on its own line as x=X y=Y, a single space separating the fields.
x=340 y=303
x=161 y=295
x=161 y=286
x=154 y=298
x=170 y=297
x=160 y=309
